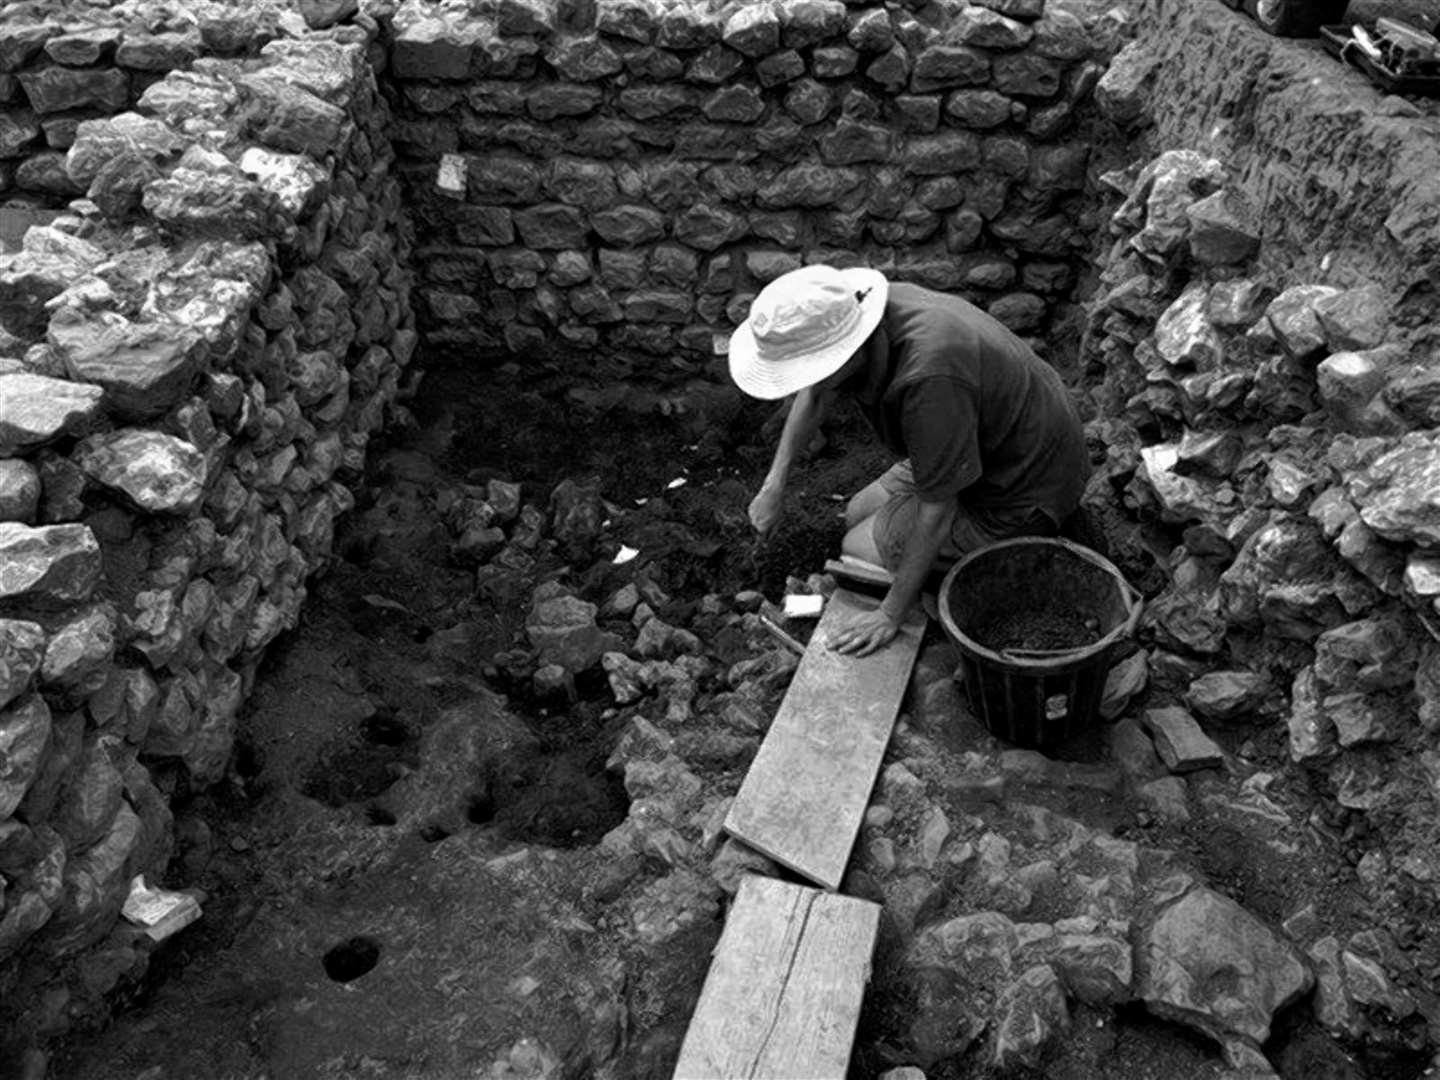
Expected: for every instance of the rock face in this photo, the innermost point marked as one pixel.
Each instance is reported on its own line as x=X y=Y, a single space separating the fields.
x=1314 y=208
x=1208 y=962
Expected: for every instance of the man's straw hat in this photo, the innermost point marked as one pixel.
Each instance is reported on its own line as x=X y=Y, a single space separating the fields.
x=802 y=328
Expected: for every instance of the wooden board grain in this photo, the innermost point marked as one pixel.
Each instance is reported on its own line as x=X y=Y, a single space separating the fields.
x=802 y=800
x=784 y=990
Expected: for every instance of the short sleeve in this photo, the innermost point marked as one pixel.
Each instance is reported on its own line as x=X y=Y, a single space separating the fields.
x=939 y=423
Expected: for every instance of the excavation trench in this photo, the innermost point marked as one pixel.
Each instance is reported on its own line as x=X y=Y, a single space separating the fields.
x=432 y=740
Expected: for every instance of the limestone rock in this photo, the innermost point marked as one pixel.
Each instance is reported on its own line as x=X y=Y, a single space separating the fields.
x=1030 y=1013
x=296 y=181
x=40 y=409
x=215 y=201
x=1094 y=966
x=53 y=564
x=1293 y=319
x=79 y=652
x=97 y=142
x=24 y=739
x=90 y=800
x=1207 y=962
x=1396 y=487
x=1414 y=392
x=753 y=30
x=95 y=886
x=19 y=490
x=1349 y=381
x=987 y=29
x=1236 y=304
x=1223 y=229
x=1225 y=695
x=1354 y=320
x=946 y=1020
x=144 y=368
x=1163 y=191
x=563 y=631
x=22 y=648
x=1184 y=336
x=157 y=472
x=1180 y=742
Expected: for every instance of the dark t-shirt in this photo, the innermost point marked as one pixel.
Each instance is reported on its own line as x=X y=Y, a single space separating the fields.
x=979 y=415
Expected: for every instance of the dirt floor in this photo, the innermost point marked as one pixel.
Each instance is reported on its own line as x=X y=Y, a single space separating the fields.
x=368 y=916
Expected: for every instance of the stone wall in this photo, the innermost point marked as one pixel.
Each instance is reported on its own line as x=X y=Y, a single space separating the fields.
x=193 y=356
x=622 y=177
x=1273 y=471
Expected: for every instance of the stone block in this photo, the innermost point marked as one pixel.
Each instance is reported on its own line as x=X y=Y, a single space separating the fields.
x=1179 y=740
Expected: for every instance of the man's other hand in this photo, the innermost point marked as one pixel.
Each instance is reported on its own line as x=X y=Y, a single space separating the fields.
x=864 y=634
x=766 y=508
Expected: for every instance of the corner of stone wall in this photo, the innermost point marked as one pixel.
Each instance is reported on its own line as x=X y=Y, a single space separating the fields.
x=193 y=357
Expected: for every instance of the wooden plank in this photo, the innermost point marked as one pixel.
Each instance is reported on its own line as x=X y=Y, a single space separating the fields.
x=853 y=569
x=802 y=800
x=783 y=994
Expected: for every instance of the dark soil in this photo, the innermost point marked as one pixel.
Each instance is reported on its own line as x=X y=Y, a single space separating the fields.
x=393 y=637
x=1048 y=630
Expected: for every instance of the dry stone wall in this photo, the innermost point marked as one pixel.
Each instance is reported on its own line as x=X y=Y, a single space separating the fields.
x=624 y=176
x=193 y=356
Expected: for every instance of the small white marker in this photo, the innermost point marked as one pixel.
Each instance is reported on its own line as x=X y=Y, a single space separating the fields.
x=624 y=555
x=679 y=481
x=803 y=606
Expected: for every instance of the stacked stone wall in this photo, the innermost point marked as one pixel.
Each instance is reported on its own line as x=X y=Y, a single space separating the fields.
x=622 y=178
x=193 y=356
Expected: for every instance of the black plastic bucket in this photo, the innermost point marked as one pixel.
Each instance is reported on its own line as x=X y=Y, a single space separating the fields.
x=1038 y=622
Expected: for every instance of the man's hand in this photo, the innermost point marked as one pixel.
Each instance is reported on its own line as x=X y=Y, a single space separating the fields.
x=865 y=633
x=766 y=508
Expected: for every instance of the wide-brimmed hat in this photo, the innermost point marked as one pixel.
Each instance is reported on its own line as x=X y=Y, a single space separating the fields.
x=802 y=328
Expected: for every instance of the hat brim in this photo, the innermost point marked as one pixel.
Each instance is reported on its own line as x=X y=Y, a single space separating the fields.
x=764 y=379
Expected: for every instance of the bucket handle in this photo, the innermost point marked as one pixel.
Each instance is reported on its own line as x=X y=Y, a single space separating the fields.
x=1038 y=654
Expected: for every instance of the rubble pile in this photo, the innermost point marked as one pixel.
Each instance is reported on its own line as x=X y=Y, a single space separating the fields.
x=193 y=356
x=1275 y=440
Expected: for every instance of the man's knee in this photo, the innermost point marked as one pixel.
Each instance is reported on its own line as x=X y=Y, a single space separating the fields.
x=860 y=541
x=864 y=503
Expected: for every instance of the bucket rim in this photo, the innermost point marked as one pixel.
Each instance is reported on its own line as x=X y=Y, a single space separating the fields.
x=1061 y=660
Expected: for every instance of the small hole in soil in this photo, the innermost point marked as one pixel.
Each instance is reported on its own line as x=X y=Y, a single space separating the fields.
x=378 y=815
x=247 y=761
x=422 y=635
x=481 y=809
x=432 y=834
x=351 y=958
x=385 y=729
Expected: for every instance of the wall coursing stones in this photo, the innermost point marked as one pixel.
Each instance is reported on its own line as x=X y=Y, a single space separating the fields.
x=624 y=176
x=193 y=355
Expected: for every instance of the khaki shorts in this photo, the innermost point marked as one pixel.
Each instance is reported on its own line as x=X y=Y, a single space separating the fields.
x=972 y=528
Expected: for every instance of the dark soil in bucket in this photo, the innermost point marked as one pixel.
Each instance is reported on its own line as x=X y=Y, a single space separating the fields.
x=1046 y=630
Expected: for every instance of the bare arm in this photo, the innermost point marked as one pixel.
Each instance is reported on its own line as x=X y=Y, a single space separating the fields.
x=807 y=410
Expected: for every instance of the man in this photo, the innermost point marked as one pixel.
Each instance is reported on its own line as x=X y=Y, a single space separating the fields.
x=991 y=443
